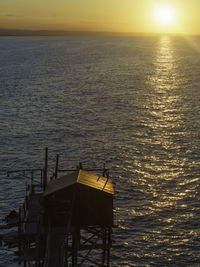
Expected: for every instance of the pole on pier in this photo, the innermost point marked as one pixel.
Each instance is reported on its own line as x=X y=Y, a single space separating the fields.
x=56 y=169
x=80 y=166
x=104 y=170
x=32 y=177
x=45 y=169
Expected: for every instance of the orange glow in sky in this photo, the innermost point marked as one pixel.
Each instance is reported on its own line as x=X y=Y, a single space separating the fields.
x=140 y=16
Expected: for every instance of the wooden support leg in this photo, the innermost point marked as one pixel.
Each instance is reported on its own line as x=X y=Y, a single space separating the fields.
x=66 y=252
x=109 y=245
x=104 y=247
x=73 y=251
x=19 y=234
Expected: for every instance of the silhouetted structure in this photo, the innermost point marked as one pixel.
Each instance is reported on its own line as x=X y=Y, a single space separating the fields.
x=63 y=222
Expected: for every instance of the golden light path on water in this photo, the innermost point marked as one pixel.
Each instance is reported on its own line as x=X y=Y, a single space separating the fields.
x=164 y=110
x=163 y=169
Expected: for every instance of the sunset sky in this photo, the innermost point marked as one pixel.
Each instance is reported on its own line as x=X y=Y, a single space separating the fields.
x=154 y=16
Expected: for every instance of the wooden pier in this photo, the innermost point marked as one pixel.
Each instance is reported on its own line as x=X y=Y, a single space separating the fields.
x=64 y=221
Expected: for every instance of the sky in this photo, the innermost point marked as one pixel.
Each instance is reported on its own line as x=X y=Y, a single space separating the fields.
x=139 y=16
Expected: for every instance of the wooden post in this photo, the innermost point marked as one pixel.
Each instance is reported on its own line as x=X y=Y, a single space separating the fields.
x=73 y=250
x=45 y=169
x=19 y=235
x=107 y=174
x=56 y=169
x=80 y=166
x=32 y=177
x=104 y=247
x=109 y=245
x=38 y=246
x=104 y=170
x=41 y=177
x=67 y=248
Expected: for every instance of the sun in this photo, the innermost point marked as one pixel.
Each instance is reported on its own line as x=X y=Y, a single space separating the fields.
x=165 y=15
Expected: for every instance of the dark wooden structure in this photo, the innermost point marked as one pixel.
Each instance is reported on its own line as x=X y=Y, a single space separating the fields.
x=86 y=197
x=67 y=221
x=80 y=205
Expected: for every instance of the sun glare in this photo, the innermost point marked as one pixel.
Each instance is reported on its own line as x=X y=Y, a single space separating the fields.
x=165 y=15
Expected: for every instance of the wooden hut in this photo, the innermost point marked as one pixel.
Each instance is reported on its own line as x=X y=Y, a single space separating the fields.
x=82 y=197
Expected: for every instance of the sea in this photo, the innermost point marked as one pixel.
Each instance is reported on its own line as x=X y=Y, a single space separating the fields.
x=132 y=103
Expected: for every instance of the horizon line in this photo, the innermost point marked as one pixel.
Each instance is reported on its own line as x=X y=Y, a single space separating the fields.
x=43 y=32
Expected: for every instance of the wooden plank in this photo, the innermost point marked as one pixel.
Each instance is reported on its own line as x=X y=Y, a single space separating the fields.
x=95 y=181
x=83 y=177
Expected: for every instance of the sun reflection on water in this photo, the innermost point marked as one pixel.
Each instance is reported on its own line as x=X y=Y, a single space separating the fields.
x=162 y=169
x=164 y=108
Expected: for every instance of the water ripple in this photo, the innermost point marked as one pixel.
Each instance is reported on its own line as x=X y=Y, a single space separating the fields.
x=130 y=102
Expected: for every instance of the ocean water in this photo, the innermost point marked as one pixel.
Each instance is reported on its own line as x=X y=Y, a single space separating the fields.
x=132 y=103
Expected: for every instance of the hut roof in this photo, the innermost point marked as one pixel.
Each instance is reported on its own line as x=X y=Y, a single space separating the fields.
x=82 y=177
